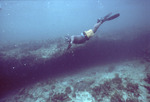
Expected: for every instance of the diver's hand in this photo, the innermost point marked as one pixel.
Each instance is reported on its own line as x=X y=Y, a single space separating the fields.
x=69 y=46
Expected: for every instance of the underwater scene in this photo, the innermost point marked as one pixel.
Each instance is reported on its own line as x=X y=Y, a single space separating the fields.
x=74 y=51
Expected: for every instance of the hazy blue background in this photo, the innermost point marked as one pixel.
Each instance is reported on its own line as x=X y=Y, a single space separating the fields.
x=23 y=20
x=32 y=20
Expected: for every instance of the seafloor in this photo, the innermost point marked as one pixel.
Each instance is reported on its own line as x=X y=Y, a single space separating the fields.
x=120 y=82
x=49 y=73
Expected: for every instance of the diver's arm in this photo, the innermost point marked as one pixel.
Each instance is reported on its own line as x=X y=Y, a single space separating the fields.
x=69 y=46
x=70 y=43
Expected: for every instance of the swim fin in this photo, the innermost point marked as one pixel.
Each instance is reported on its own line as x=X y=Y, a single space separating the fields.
x=108 y=17
x=113 y=17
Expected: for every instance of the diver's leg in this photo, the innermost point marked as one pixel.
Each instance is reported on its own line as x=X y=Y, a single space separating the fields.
x=96 y=26
x=102 y=20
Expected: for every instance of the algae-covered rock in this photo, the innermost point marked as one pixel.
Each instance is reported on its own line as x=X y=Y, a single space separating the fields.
x=132 y=100
x=148 y=88
x=133 y=88
x=60 y=97
x=83 y=85
x=147 y=79
x=117 y=97
x=68 y=90
x=84 y=96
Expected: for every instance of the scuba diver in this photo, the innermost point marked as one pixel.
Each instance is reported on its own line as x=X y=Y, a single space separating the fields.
x=86 y=35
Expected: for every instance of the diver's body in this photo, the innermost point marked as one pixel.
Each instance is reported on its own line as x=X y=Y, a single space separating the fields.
x=86 y=35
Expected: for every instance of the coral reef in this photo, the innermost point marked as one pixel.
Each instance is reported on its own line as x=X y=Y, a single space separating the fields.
x=146 y=53
x=111 y=68
x=38 y=55
x=132 y=100
x=148 y=88
x=115 y=84
x=82 y=86
x=106 y=89
x=147 y=79
x=111 y=90
x=117 y=97
x=60 y=97
x=132 y=88
x=68 y=90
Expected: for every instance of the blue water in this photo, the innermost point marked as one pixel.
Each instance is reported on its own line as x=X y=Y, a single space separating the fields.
x=32 y=20
x=40 y=20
